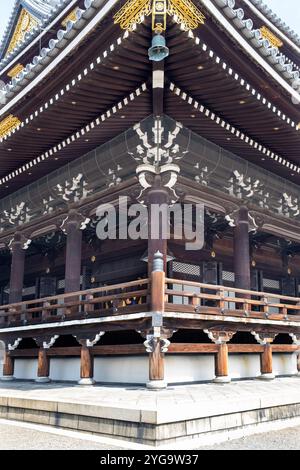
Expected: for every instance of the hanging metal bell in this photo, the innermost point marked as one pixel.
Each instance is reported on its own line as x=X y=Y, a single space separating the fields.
x=158 y=50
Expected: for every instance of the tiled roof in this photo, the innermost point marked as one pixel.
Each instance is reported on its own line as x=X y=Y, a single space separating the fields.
x=277 y=21
x=43 y=10
x=272 y=55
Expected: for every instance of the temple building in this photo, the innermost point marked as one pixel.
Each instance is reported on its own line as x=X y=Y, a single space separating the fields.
x=179 y=103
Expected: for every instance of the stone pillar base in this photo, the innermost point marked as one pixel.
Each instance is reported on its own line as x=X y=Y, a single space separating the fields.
x=225 y=379
x=7 y=378
x=266 y=377
x=42 y=380
x=156 y=385
x=88 y=381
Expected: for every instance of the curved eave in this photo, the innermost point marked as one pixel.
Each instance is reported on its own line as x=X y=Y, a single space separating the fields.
x=44 y=16
x=275 y=22
x=51 y=57
x=219 y=15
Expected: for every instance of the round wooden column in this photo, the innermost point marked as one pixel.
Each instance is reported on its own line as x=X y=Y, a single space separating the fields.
x=73 y=253
x=298 y=364
x=16 y=271
x=86 y=365
x=242 y=251
x=221 y=338
x=156 y=363
x=8 y=367
x=266 y=363
x=157 y=241
x=265 y=339
x=221 y=364
x=156 y=341
x=43 y=366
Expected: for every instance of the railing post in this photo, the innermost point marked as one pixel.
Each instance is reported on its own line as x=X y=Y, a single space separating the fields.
x=266 y=358
x=45 y=311
x=221 y=338
x=88 y=307
x=158 y=285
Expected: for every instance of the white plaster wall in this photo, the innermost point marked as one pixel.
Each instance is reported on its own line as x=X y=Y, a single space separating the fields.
x=189 y=368
x=123 y=369
x=244 y=365
x=284 y=364
x=178 y=368
x=65 y=368
x=25 y=368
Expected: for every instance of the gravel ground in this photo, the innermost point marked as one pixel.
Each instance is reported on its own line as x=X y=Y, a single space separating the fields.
x=285 y=439
x=18 y=438
x=13 y=437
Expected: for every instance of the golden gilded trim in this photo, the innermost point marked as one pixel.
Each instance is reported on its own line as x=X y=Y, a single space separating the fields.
x=132 y=13
x=8 y=124
x=267 y=34
x=183 y=11
x=25 y=24
x=71 y=17
x=14 y=72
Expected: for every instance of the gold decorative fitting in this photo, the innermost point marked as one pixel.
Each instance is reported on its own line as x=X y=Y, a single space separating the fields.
x=71 y=17
x=25 y=24
x=267 y=34
x=8 y=124
x=184 y=12
x=14 y=72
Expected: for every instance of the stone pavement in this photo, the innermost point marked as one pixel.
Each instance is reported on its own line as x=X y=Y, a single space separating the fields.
x=144 y=416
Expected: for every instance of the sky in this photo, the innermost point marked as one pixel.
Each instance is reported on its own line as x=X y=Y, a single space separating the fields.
x=288 y=10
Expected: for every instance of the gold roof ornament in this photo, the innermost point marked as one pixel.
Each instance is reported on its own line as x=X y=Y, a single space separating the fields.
x=25 y=24
x=267 y=34
x=14 y=72
x=71 y=17
x=8 y=124
x=184 y=12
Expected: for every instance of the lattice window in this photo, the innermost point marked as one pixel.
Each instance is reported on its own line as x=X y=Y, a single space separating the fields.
x=228 y=276
x=185 y=268
x=61 y=283
x=271 y=284
x=29 y=291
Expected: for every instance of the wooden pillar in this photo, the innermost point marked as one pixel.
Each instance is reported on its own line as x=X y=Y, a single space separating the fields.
x=266 y=358
x=156 y=341
x=242 y=251
x=157 y=239
x=8 y=367
x=44 y=343
x=156 y=363
x=266 y=362
x=43 y=366
x=17 y=271
x=87 y=341
x=296 y=342
x=221 y=361
x=298 y=364
x=86 y=365
x=221 y=338
x=73 y=253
